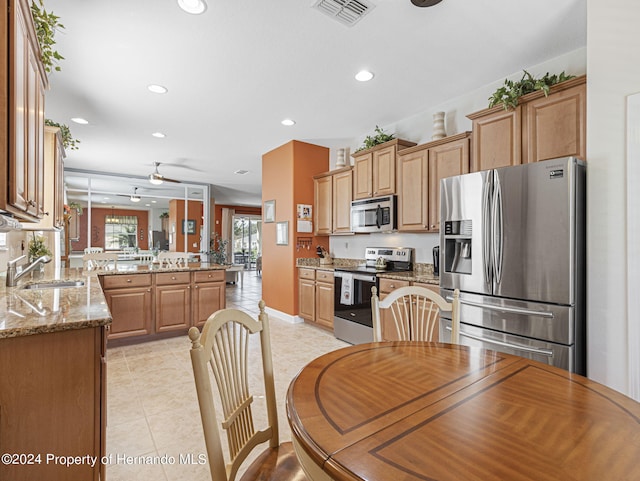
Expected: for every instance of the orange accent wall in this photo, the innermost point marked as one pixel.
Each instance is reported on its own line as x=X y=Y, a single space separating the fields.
x=287 y=178
x=97 y=227
x=239 y=209
x=176 y=216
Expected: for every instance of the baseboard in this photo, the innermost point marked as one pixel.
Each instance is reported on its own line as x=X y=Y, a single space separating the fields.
x=284 y=316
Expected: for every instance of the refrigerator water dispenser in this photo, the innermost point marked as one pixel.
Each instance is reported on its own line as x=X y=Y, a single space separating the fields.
x=457 y=246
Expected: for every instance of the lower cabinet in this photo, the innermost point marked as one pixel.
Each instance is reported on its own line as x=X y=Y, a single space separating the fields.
x=52 y=401
x=153 y=303
x=208 y=295
x=389 y=332
x=129 y=300
x=315 y=296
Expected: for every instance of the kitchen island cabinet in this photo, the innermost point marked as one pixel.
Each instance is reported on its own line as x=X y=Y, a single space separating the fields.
x=173 y=301
x=130 y=302
x=208 y=295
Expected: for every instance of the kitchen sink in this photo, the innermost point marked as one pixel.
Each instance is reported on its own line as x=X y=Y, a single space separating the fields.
x=54 y=284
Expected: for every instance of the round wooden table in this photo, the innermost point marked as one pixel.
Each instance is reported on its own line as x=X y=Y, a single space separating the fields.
x=429 y=411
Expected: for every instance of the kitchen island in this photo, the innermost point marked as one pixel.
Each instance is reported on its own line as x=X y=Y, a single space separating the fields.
x=53 y=368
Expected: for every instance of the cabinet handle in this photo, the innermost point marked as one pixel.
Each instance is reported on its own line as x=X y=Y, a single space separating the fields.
x=149 y=290
x=46 y=213
x=188 y=287
x=392 y=286
x=128 y=280
x=173 y=278
x=196 y=287
x=433 y=226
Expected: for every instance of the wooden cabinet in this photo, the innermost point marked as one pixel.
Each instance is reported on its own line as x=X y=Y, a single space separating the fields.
x=172 y=301
x=52 y=400
x=539 y=128
x=22 y=85
x=208 y=295
x=315 y=296
x=324 y=299
x=374 y=170
x=333 y=194
x=53 y=189
x=420 y=170
x=129 y=298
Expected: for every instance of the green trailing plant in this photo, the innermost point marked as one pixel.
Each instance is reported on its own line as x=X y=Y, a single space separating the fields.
x=218 y=254
x=38 y=248
x=76 y=206
x=67 y=139
x=511 y=91
x=164 y=215
x=380 y=137
x=46 y=23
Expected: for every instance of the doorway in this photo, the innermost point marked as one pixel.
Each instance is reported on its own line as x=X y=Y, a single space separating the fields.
x=247 y=240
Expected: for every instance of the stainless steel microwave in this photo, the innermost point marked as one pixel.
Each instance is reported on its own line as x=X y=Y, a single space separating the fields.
x=374 y=215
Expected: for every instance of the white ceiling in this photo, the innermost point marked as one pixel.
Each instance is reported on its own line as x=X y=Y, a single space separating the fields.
x=236 y=71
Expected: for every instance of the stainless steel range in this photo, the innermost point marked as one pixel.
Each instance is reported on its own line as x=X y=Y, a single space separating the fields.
x=352 y=320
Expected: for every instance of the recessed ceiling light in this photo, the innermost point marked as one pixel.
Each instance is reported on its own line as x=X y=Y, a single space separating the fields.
x=154 y=201
x=288 y=122
x=147 y=205
x=158 y=135
x=195 y=7
x=364 y=76
x=157 y=89
x=241 y=172
x=79 y=120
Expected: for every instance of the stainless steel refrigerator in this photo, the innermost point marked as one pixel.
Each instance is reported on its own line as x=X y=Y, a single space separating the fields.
x=513 y=241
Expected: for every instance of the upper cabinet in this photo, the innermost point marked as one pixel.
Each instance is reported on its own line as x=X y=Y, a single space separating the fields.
x=420 y=170
x=539 y=128
x=374 y=170
x=333 y=194
x=23 y=82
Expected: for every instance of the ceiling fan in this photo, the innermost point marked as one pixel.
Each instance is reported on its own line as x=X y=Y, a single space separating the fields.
x=133 y=197
x=157 y=178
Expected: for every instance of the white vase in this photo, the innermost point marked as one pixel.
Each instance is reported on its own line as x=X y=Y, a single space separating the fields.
x=340 y=161
x=438 y=126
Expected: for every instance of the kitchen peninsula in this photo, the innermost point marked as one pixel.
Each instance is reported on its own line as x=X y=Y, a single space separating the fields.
x=53 y=361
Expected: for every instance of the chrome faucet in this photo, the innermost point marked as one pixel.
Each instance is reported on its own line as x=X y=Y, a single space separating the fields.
x=13 y=276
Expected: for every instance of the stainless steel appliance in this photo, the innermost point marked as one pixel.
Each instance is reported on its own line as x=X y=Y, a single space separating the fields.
x=374 y=215
x=513 y=241
x=436 y=261
x=352 y=320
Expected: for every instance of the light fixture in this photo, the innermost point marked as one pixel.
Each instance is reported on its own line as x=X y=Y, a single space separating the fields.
x=158 y=135
x=157 y=89
x=364 y=76
x=155 y=180
x=425 y=3
x=135 y=197
x=195 y=7
x=288 y=122
x=80 y=120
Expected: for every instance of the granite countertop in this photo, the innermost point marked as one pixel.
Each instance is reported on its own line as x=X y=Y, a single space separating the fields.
x=26 y=312
x=422 y=272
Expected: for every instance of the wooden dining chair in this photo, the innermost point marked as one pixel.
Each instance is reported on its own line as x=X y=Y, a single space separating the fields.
x=173 y=259
x=415 y=312
x=223 y=346
x=100 y=261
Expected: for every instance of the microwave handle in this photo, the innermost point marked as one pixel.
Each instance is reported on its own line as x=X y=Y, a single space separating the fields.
x=378 y=216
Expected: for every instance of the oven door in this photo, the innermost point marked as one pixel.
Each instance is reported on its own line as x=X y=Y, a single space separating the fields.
x=352 y=320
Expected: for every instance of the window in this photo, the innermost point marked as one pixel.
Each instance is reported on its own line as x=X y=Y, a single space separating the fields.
x=120 y=232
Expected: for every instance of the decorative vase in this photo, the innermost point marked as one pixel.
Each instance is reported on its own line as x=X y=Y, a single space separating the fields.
x=340 y=162
x=438 y=126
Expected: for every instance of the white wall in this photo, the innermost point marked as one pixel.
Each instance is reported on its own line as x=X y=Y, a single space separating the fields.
x=613 y=74
x=419 y=128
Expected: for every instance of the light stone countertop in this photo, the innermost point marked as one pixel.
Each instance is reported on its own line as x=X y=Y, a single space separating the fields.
x=25 y=312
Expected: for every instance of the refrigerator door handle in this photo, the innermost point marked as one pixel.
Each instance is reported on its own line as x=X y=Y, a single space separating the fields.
x=512 y=310
x=497 y=228
x=486 y=230
x=544 y=352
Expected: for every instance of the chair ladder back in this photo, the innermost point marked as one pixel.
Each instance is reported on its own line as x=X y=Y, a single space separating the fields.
x=424 y=319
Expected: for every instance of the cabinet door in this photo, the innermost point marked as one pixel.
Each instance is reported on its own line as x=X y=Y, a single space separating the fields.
x=497 y=140
x=362 y=176
x=306 y=299
x=413 y=190
x=173 y=307
x=445 y=160
x=323 y=192
x=384 y=171
x=208 y=297
x=324 y=304
x=555 y=126
x=131 y=311
x=342 y=188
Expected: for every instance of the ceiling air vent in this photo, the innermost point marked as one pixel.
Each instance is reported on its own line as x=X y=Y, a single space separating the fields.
x=347 y=12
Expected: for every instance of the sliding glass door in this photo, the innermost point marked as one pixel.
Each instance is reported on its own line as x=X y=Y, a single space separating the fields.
x=247 y=240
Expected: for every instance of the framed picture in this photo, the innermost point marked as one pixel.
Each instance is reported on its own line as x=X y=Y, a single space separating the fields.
x=269 y=210
x=282 y=233
x=189 y=226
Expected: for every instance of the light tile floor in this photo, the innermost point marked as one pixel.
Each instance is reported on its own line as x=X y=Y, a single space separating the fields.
x=151 y=398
